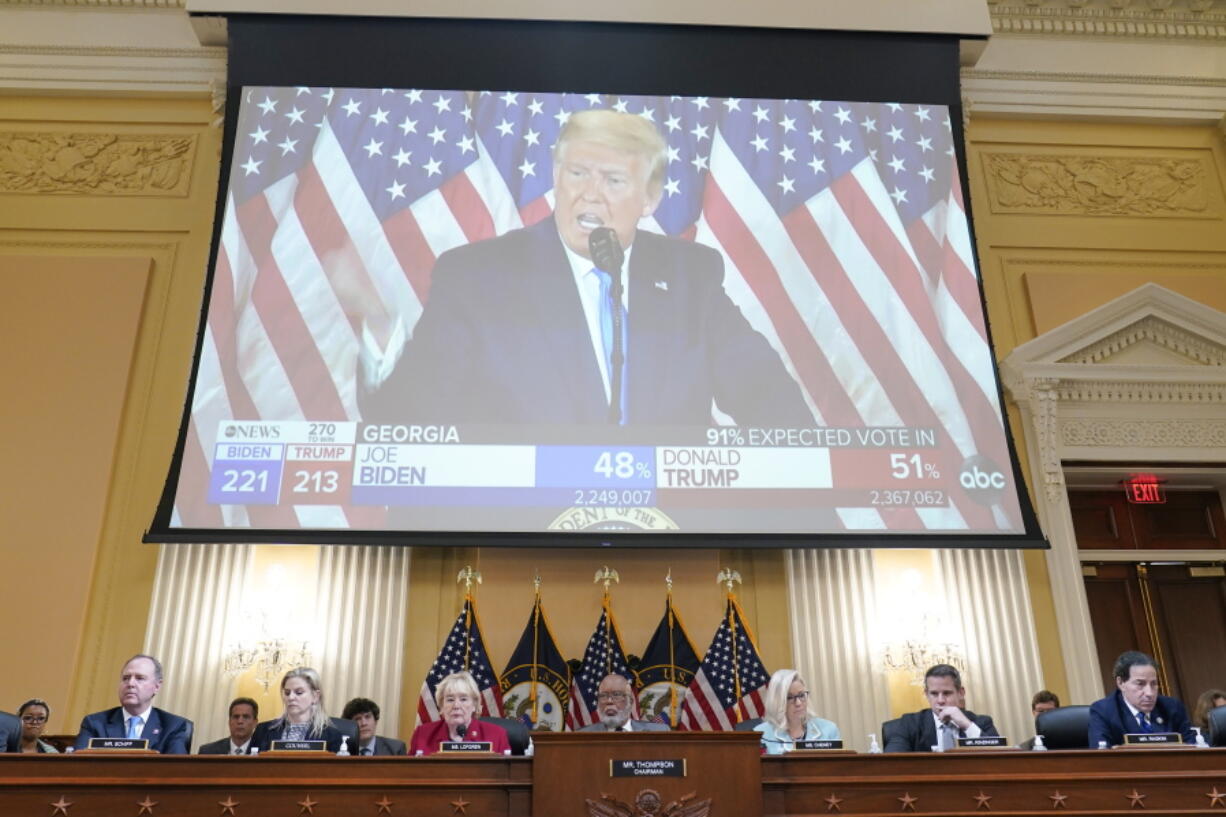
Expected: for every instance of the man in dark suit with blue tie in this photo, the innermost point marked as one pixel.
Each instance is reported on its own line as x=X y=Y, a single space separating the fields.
x=10 y=733
x=1136 y=707
x=136 y=717
x=518 y=329
x=943 y=722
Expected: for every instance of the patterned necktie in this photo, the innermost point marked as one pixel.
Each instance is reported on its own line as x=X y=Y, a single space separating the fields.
x=238 y=751
x=1143 y=719
x=133 y=728
x=606 y=333
x=948 y=731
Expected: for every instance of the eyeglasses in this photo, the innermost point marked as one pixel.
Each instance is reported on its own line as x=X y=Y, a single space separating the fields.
x=33 y=720
x=799 y=696
x=612 y=696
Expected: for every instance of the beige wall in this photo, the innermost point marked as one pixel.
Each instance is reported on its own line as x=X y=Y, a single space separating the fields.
x=105 y=207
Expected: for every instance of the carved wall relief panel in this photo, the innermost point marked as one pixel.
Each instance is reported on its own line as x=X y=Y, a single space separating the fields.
x=1099 y=185
x=99 y=164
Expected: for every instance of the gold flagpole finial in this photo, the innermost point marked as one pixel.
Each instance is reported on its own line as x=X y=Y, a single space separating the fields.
x=606 y=575
x=668 y=580
x=728 y=578
x=468 y=576
x=536 y=581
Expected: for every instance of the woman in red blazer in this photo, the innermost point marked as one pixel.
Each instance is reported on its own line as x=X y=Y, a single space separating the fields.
x=457 y=697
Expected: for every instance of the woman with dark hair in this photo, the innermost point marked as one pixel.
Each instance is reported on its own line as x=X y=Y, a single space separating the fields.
x=304 y=716
x=1209 y=699
x=34 y=714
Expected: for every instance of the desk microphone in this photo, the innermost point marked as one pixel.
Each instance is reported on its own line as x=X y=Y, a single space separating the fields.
x=608 y=255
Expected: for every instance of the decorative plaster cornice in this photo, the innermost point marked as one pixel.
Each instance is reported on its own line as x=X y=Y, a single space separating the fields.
x=1159 y=332
x=1147 y=433
x=1129 y=19
x=94 y=4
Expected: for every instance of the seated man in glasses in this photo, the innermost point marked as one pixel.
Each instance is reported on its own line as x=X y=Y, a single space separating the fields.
x=615 y=704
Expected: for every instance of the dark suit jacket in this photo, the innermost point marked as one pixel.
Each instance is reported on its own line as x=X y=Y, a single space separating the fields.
x=503 y=339
x=635 y=726
x=220 y=747
x=1110 y=719
x=917 y=732
x=387 y=746
x=10 y=733
x=268 y=731
x=167 y=733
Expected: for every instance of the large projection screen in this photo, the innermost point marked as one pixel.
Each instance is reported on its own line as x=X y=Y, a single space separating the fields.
x=412 y=328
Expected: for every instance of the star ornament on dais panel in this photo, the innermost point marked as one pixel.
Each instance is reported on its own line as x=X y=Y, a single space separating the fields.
x=61 y=806
x=908 y=802
x=1057 y=800
x=146 y=806
x=1136 y=799
x=307 y=805
x=983 y=801
x=1216 y=798
x=460 y=806
x=228 y=805
x=385 y=805
x=832 y=803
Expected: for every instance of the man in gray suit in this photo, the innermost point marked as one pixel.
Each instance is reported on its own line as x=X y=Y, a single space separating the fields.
x=615 y=703
x=365 y=713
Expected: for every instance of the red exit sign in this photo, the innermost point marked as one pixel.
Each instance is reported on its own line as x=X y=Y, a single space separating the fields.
x=1144 y=489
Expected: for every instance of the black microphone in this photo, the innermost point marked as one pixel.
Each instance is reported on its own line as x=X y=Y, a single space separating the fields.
x=608 y=255
x=606 y=250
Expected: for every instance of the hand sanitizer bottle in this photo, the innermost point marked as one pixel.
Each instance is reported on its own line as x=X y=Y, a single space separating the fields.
x=1201 y=743
x=344 y=751
x=874 y=748
x=1039 y=745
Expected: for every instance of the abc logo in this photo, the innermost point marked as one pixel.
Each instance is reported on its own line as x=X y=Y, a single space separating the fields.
x=982 y=480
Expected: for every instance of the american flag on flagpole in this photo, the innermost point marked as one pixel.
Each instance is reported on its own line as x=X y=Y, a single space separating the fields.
x=604 y=655
x=841 y=225
x=464 y=649
x=731 y=681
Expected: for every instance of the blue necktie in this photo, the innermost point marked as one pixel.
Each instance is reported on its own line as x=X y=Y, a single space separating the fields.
x=1144 y=721
x=606 y=333
x=134 y=727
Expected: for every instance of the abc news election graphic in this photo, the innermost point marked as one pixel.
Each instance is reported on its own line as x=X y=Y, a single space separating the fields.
x=772 y=470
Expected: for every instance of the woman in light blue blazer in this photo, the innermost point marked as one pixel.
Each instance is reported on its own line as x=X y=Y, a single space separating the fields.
x=788 y=718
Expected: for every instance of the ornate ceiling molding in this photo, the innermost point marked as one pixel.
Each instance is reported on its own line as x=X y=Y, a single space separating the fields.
x=1131 y=19
x=124 y=4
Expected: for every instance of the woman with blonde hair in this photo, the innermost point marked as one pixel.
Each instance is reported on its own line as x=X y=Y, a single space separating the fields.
x=457 y=697
x=304 y=717
x=788 y=718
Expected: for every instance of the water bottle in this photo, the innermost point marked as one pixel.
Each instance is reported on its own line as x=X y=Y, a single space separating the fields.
x=1102 y=744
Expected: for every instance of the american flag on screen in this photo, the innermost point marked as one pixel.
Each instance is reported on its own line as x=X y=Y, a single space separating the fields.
x=604 y=655
x=464 y=649
x=731 y=681
x=841 y=225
